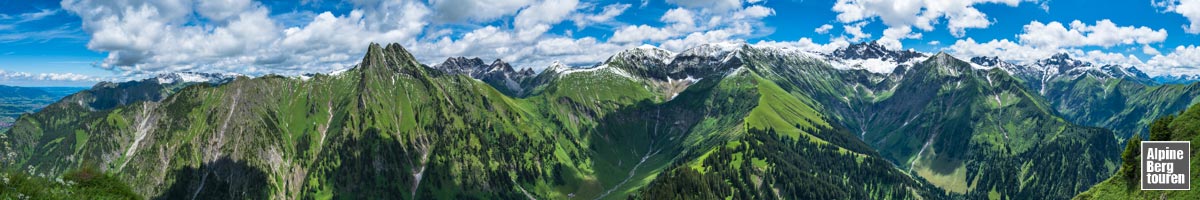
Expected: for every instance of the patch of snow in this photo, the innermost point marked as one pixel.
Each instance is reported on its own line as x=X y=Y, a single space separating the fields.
x=873 y=65
x=735 y=72
x=713 y=49
x=878 y=65
x=338 y=72
x=596 y=69
x=977 y=66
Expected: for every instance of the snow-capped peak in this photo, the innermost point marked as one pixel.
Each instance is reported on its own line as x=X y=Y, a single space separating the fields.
x=721 y=50
x=556 y=67
x=873 y=57
x=645 y=52
x=193 y=77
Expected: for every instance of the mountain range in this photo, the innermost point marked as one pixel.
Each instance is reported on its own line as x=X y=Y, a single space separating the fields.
x=15 y=101
x=723 y=120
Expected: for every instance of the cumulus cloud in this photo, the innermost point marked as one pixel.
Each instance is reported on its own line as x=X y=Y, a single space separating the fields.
x=1041 y=40
x=807 y=44
x=1108 y=58
x=24 y=76
x=901 y=16
x=605 y=15
x=1026 y=54
x=823 y=29
x=1190 y=9
x=1183 y=60
x=683 y=28
x=1104 y=33
x=471 y=10
x=856 y=31
x=1149 y=50
x=147 y=37
x=144 y=37
x=1003 y=48
x=714 y=5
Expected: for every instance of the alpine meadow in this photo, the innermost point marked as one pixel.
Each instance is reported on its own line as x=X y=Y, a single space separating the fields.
x=596 y=99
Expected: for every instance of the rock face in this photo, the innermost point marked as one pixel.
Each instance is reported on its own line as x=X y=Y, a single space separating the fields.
x=499 y=74
x=1122 y=99
x=723 y=120
x=873 y=50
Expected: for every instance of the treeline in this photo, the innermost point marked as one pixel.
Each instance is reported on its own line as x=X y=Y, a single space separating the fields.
x=1125 y=183
x=83 y=183
x=764 y=164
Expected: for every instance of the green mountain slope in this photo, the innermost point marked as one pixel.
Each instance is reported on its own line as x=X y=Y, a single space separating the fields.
x=85 y=183
x=1125 y=183
x=969 y=131
x=782 y=140
x=722 y=121
x=393 y=128
x=1122 y=99
x=15 y=101
x=1121 y=104
x=368 y=132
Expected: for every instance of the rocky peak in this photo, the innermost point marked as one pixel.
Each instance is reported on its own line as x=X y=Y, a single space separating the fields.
x=459 y=65
x=193 y=77
x=644 y=53
x=527 y=72
x=1063 y=62
x=556 y=67
x=873 y=50
x=500 y=65
x=392 y=59
x=714 y=50
x=987 y=61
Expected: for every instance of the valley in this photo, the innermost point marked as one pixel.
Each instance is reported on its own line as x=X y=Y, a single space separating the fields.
x=719 y=121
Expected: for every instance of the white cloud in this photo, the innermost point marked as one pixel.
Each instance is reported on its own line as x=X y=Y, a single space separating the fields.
x=754 y=12
x=1025 y=54
x=605 y=15
x=221 y=10
x=1005 y=49
x=1183 y=60
x=856 y=32
x=728 y=34
x=1149 y=50
x=823 y=29
x=1105 y=34
x=679 y=16
x=806 y=44
x=143 y=37
x=901 y=16
x=535 y=20
x=471 y=10
x=714 y=5
x=892 y=36
x=24 y=76
x=1190 y=9
x=1108 y=58
x=1041 y=40
x=640 y=33
x=681 y=29
x=147 y=37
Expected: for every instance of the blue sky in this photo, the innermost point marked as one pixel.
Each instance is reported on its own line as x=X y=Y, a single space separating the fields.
x=80 y=42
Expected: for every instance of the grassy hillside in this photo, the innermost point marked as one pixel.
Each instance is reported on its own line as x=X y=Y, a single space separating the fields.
x=1125 y=106
x=755 y=121
x=15 y=101
x=1125 y=183
x=84 y=183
